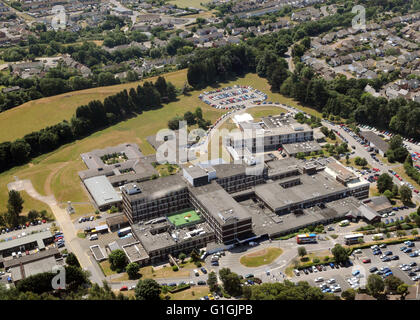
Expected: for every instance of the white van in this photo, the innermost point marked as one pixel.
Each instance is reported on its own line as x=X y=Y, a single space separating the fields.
x=196 y=272
x=93 y=237
x=14 y=254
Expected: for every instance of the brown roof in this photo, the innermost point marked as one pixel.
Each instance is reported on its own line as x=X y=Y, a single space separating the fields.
x=116 y=219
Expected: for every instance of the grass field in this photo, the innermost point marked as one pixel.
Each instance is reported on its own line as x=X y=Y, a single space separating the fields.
x=56 y=172
x=260 y=258
x=193 y=293
x=184 y=218
x=189 y=3
x=164 y=272
x=37 y=114
x=262 y=111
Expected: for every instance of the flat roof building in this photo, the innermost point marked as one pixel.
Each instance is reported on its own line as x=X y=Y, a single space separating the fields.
x=37 y=240
x=102 y=192
x=376 y=142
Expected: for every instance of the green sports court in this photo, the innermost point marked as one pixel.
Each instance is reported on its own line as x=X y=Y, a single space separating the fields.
x=184 y=218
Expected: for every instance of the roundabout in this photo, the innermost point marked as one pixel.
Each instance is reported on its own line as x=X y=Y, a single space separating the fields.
x=261 y=257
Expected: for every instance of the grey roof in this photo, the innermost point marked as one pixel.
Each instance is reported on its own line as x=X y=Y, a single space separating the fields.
x=102 y=191
x=364 y=212
x=38 y=237
x=157 y=188
x=378 y=203
x=307 y=146
x=311 y=188
x=31 y=258
x=376 y=140
x=220 y=204
x=31 y=268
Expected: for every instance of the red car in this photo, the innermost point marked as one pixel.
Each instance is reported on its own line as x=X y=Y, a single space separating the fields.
x=124 y=288
x=366 y=260
x=416 y=191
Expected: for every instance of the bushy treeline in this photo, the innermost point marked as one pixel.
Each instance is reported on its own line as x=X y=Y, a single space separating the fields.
x=288 y=291
x=87 y=119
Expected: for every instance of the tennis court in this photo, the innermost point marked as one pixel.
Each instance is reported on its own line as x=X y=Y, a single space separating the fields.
x=183 y=218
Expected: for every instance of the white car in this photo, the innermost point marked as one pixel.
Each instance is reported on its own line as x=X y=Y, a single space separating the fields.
x=319 y=279
x=332 y=280
x=314 y=269
x=357 y=251
x=335 y=289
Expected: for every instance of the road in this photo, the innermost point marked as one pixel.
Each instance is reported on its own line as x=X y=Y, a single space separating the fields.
x=66 y=225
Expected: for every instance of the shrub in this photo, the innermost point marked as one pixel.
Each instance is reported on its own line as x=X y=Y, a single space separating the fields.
x=175 y=268
x=315 y=260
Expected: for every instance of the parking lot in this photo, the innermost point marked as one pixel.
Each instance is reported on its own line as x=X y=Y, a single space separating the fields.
x=235 y=97
x=356 y=274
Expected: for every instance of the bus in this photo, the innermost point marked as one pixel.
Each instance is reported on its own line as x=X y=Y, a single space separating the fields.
x=306 y=238
x=378 y=236
x=353 y=238
x=123 y=232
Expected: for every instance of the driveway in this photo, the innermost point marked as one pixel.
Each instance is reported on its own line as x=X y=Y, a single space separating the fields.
x=67 y=227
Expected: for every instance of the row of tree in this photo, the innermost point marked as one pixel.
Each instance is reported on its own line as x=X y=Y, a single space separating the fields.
x=87 y=119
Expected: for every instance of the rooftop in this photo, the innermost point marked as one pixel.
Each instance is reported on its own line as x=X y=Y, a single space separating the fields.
x=39 y=237
x=157 y=188
x=102 y=191
x=311 y=187
x=220 y=204
x=375 y=140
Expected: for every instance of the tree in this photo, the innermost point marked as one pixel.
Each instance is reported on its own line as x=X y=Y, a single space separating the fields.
x=392 y=282
x=195 y=255
x=232 y=284
x=132 y=270
x=14 y=206
x=405 y=194
x=340 y=253
x=189 y=117
x=375 y=285
x=71 y=260
x=147 y=289
x=388 y=194
x=349 y=294
x=212 y=281
x=182 y=256
x=302 y=251
x=384 y=183
x=118 y=260
x=402 y=290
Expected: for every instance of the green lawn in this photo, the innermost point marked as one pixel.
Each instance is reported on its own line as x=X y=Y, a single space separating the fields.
x=262 y=111
x=193 y=293
x=37 y=114
x=189 y=3
x=260 y=258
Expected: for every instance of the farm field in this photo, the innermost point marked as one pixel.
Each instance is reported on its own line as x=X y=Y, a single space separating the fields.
x=56 y=172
